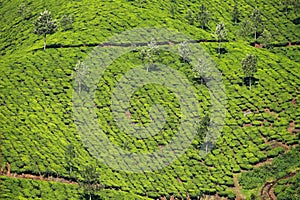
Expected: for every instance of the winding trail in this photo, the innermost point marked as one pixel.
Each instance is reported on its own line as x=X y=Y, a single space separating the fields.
x=267 y=191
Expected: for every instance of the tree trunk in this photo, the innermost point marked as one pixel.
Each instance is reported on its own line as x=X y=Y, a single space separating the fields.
x=90 y=196
x=250 y=78
x=255 y=34
x=45 y=39
x=219 y=47
x=70 y=172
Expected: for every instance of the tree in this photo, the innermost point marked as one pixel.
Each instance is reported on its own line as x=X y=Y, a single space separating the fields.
x=90 y=181
x=184 y=51
x=202 y=69
x=190 y=17
x=290 y=5
x=44 y=25
x=172 y=10
x=70 y=155
x=203 y=129
x=256 y=21
x=249 y=65
x=236 y=12
x=246 y=28
x=265 y=38
x=66 y=22
x=82 y=72
x=24 y=11
x=220 y=34
x=149 y=54
x=203 y=17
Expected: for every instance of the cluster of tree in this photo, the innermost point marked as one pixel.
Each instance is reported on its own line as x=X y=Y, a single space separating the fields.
x=250 y=26
x=249 y=66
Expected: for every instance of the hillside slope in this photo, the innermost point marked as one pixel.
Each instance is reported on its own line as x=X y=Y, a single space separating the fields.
x=37 y=123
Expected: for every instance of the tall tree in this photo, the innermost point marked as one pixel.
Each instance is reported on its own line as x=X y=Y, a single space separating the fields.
x=236 y=13
x=203 y=17
x=245 y=28
x=44 y=25
x=184 y=51
x=265 y=38
x=202 y=69
x=70 y=155
x=81 y=77
x=220 y=34
x=173 y=10
x=190 y=17
x=150 y=54
x=290 y=5
x=24 y=11
x=256 y=21
x=203 y=129
x=90 y=181
x=66 y=22
x=249 y=65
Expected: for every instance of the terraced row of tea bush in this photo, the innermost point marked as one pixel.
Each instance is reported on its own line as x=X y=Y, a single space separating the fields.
x=47 y=89
x=37 y=123
x=95 y=21
x=19 y=188
x=280 y=167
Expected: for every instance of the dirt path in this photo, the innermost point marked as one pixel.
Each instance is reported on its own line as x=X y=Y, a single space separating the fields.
x=267 y=192
x=40 y=178
x=140 y=44
x=237 y=188
x=284 y=44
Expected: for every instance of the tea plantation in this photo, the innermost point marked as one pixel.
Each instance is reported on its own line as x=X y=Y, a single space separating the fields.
x=43 y=154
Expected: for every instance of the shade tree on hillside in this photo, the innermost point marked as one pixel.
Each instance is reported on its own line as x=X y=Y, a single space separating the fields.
x=70 y=155
x=290 y=5
x=24 y=11
x=81 y=77
x=173 y=10
x=184 y=51
x=149 y=55
x=90 y=180
x=203 y=70
x=249 y=66
x=265 y=39
x=220 y=35
x=256 y=20
x=202 y=131
x=245 y=28
x=44 y=25
x=66 y=22
x=190 y=17
x=235 y=12
x=203 y=17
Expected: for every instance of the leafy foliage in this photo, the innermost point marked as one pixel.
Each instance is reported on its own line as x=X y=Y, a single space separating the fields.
x=220 y=34
x=36 y=92
x=66 y=22
x=249 y=65
x=203 y=17
x=44 y=25
x=256 y=21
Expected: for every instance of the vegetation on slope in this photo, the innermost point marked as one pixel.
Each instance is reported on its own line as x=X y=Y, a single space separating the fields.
x=36 y=91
